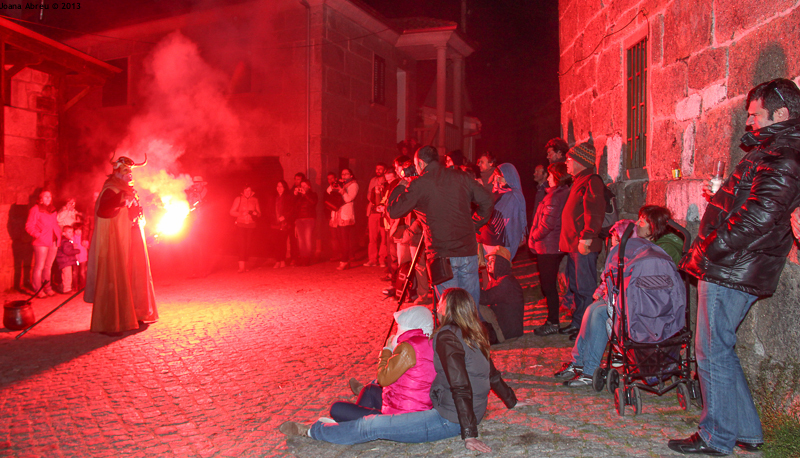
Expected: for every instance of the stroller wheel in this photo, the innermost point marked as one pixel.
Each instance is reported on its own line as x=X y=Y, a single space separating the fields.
x=683 y=396
x=695 y=393
x=636 y=400
x=613 y=381
x=620 y=400
x=599 y=379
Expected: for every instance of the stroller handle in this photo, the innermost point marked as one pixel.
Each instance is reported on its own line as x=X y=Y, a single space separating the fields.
x=687 y=238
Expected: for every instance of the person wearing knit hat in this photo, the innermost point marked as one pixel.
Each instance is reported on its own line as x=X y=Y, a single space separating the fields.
x=502 y=303
x=581 y=221
x=583 y=154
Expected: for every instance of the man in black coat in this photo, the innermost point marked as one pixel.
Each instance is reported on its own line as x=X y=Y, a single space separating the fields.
x=738 y=256
x=442 y=199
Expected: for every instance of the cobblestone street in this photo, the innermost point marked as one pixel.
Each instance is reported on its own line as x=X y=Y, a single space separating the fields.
x=235 y=355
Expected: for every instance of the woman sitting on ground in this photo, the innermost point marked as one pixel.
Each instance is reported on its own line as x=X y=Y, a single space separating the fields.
x=460 y=392
x=502 y=303
x=405 y=372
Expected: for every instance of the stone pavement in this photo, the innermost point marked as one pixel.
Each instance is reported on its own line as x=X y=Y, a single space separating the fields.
x=235 y=355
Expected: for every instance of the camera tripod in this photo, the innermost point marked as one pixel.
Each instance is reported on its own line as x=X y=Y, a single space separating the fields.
x=407 y=285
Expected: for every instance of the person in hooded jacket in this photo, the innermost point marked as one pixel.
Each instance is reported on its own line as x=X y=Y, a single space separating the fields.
x=503 y=298
x=506 y=226
x=405 y=372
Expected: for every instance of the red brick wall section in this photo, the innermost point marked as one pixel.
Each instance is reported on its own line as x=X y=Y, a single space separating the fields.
x=352 y=126
x=703 y=58
x=31 y=142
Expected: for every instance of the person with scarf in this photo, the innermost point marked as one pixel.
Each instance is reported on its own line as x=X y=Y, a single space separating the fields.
x=42 y=225
x=118 y=281
x=405 y=372
x=506 y=226
x=344 y=218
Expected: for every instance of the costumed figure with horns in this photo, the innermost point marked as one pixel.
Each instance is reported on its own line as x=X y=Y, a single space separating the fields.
x=118 y=282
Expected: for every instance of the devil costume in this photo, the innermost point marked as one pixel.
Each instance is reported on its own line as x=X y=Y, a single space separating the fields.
x=118 y=282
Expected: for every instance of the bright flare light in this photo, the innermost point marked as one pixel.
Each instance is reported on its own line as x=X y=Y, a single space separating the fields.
x=175 y=213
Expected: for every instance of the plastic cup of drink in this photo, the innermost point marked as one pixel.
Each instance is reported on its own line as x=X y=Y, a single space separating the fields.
x=716 y=183
x=719 y=169
x=719 y=173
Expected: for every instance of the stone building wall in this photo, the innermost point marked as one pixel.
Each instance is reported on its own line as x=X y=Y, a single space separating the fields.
x=703 y=57
x=31 y=147
x=352 y=125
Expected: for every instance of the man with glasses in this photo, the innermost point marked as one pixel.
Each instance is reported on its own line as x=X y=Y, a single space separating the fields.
x=738 y=256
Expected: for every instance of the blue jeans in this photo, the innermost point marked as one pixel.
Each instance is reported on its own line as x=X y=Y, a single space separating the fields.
x=369 y=402
x=305 y=241
x=465 y=276
x=42 y=266
x=376 y=249
x=592 y=338
x=414 y=427
x=582 y=281
x=728 y=410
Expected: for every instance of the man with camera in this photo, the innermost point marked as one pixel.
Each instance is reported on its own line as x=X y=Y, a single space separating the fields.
x=376 y=248
x=442 y=199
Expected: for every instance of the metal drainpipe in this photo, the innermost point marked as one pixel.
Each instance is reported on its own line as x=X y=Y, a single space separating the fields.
x=308 y=86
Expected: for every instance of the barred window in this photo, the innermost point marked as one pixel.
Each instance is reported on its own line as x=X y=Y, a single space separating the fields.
x=379 y=80
x=636 y=155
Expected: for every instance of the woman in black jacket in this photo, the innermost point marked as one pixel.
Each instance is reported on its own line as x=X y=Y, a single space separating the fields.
x=543 y=241
x=284 y=221
x=306 y=213
x=460 y=392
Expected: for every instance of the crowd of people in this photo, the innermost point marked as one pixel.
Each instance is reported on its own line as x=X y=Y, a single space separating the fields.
x=58 y=239
x=455 y=229
x=471 y=217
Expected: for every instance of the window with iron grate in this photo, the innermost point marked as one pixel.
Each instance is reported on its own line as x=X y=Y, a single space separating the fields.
x=636 y=154
x=379 y=80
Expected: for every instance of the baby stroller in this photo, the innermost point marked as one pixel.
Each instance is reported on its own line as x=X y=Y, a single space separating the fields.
x=648 y=302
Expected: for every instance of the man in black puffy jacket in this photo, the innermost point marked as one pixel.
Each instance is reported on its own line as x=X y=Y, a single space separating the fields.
x=738 y=256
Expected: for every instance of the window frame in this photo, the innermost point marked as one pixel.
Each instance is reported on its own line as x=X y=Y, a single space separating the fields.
x=637 y=52
x=378 y=80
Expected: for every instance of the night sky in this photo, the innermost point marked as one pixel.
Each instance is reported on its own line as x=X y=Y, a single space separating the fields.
x=512 y=78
